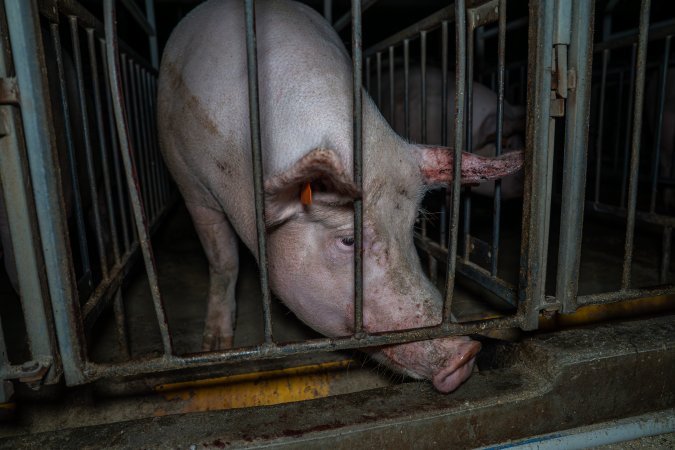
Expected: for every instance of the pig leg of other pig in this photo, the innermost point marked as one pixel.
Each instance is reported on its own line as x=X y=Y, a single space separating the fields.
x=220 y=244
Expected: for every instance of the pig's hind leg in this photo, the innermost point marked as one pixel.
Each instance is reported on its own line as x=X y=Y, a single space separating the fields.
x=220 y=245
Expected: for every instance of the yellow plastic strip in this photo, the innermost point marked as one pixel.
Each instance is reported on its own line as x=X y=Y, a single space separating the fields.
x=252 y=389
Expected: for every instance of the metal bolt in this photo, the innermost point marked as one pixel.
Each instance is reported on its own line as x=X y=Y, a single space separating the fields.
x=30 y=366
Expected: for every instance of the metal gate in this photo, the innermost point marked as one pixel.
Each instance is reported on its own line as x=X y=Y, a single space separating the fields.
x=68 y=274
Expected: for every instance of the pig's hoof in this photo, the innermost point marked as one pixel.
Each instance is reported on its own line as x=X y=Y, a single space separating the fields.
x=213 y=342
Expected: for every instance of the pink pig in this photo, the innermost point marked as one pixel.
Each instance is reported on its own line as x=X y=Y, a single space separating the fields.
x=305 y=80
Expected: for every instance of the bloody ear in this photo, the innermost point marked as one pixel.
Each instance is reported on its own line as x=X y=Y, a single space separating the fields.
x=286 y=192
x=436 y=166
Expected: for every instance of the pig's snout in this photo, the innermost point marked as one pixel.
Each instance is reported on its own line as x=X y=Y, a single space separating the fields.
x=447 y=362
x=458 y=368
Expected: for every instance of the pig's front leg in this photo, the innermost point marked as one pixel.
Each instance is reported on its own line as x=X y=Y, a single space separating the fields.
x=220 y=244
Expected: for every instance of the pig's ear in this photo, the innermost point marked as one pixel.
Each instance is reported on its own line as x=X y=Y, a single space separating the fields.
x=437 y=171
x=320 y=171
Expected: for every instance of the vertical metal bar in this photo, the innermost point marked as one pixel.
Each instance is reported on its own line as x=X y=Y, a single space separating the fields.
x=635 y=150
x=91 y=171
x=126 y=85
x=252 y=61
x=497 y=199
x=523 y=84
x=102 y=144
x=134 y=118
x=4 y=362
x=357 y=55
x=141 y=151
x=368 y=75
x=24 y=32
x=601 y=121
x=167 y=181
x=152 y=136
x=154 y=144
x=659 y=122
x=147 y=140
x=152 y=37
x=152 y=156
x=23 y=234
x=121 y=324
x=423 y=86
x=536 y=219
x=392 y=119
x=433 y=264
x=574 y=164
x=145 y=151
x=665 y=254
x=480 y=52
x=631 y=104
x=130 y=172
x=617 y=128
x=444 y=83
x=468 y=135
x=443 y=232
x=164 y=175
x=406 y=87
x=328 y=11
x=115 y=154
x=460 y=82
x=378 y=58
x=72 y=161
x=6 y=386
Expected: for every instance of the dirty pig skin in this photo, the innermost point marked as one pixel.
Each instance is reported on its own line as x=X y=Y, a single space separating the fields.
x=305 y=82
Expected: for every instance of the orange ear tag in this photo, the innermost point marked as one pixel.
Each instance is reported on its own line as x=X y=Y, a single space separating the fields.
x=306 y=194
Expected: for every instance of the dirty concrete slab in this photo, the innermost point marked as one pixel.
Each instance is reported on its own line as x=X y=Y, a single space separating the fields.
x=549 y=382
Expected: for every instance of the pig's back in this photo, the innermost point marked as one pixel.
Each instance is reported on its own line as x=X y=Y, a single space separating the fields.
x=305 y=99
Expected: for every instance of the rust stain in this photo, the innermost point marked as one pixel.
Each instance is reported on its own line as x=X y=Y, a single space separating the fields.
x=598 y=313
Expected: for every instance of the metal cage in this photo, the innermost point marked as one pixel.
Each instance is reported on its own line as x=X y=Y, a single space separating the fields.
x=68 y=274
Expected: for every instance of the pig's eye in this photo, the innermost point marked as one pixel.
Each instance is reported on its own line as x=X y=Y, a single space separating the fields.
x=347 y=241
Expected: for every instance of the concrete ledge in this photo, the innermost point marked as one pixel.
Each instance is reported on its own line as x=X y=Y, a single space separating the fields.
x=549 y=382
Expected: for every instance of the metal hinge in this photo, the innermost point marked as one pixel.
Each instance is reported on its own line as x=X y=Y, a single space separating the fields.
x=561 y=76
x=31 y=373
x=9 y=91
x=550 y=306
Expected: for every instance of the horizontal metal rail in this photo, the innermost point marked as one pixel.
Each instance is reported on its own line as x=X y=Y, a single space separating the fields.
x=656 y=31
x=427 y=24
x=271 y=351
x=650 y=218
x=625 y=294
